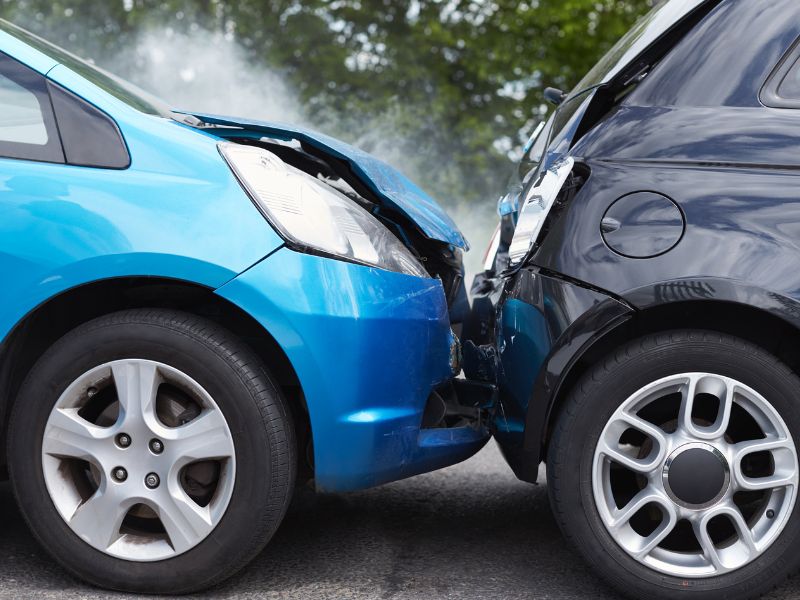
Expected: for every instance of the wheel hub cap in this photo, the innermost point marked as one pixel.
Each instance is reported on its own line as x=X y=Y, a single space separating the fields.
x=696 y=475
x=138 y=460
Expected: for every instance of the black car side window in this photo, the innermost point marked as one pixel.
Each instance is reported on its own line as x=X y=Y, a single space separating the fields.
x=90 y=137
x=27 y=126
x=782 y=89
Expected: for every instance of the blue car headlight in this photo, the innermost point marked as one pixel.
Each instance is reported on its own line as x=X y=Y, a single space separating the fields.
x=312 y=216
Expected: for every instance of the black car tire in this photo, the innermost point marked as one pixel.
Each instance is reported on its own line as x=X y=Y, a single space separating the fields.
x=258 y=418
x=589 y=405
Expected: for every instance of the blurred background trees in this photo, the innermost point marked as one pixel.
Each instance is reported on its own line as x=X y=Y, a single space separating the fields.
x=450 y=89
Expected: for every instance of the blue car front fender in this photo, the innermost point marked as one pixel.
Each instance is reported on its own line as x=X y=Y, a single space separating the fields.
x=368 y=347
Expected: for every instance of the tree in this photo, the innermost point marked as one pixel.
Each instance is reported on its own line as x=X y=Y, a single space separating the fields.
x=450 y=89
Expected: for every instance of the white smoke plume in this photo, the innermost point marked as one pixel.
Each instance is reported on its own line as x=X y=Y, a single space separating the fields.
x=207 y=72
x=210 y=72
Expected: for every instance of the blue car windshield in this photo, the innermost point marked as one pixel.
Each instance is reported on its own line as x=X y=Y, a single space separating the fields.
x=116 y=86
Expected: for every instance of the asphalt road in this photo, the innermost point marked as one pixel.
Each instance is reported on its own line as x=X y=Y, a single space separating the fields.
x=470 y=531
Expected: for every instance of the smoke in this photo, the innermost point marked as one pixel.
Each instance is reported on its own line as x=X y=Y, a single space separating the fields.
x=478 y=223
x=209 y=72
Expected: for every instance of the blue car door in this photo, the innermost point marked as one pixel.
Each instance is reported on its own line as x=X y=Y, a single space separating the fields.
x=29 y=139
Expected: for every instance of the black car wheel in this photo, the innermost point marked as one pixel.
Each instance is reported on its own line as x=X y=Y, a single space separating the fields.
x=685 y=479
x=150 y=451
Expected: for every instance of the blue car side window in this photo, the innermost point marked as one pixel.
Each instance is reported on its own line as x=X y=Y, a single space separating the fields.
x=90 y=137
x=27 y=124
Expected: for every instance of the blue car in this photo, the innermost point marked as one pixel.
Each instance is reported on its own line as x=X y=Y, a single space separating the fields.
x=199 y=313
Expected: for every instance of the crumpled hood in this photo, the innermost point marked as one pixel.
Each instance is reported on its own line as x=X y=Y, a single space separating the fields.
x=389 y=184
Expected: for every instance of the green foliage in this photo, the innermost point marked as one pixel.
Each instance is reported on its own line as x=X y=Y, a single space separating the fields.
x=453 y=86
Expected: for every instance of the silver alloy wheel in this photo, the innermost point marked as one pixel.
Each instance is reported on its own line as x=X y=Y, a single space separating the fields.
x=730 y=457
x=117 y=472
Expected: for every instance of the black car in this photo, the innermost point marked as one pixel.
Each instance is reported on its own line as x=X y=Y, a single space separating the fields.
x=640 y=308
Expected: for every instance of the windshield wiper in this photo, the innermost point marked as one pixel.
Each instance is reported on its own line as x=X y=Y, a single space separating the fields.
x=186 y=119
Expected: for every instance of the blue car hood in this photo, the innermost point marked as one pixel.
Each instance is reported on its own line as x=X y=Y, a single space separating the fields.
x=390 y=185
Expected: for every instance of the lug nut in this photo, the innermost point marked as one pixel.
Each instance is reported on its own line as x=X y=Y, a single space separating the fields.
x=123 y=440
x=91 y=391
x=156 y=446
x=152 y=481
x=119 y=474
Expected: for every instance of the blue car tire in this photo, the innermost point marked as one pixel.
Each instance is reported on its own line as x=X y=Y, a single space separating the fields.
x=151 y=452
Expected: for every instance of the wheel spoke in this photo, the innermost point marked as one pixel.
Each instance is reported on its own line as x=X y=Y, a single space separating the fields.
x=185 y=522
x=723 y=388
x=68 y=435
x=731 y=556
x=98 y=520
x=687 y=404
x=720 y=425
x=205 y=437
x=137 y=384
x=648 y=495
x=757 y=484
x=634 y=464
x=706 y=544
x=784 y=458
x=609 y=443
x=742 y=449
x=656 y=434
x=662 y=531
x=742 y=528
x=636 y=544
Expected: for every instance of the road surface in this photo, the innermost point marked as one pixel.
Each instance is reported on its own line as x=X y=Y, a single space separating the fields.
x=470 y=531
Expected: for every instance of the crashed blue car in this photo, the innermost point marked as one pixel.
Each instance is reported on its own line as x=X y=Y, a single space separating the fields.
x=199 y=313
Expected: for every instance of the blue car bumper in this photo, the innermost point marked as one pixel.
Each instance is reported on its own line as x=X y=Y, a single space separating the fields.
x=368 y=347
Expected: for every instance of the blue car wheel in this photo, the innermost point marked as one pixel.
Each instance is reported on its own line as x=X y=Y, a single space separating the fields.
x=150 y=451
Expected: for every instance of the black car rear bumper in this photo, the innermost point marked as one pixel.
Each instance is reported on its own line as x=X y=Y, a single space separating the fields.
x=529 y=333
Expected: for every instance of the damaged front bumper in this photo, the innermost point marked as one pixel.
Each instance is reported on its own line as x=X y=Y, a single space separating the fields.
x=369 y=347
x=526 y=332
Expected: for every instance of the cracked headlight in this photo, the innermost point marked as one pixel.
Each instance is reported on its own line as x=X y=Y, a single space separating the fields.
x=313 y=217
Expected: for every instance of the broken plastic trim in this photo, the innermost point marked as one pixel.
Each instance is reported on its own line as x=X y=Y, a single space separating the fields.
x=538 y=202
x=459 y=403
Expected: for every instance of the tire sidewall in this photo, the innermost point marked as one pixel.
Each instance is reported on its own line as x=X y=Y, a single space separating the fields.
x=216 y=373
x=601 y=395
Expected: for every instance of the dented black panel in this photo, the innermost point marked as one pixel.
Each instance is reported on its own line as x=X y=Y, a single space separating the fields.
x=543 y=324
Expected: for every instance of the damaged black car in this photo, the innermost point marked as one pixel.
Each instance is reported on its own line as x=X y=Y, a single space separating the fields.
x=640 y=305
